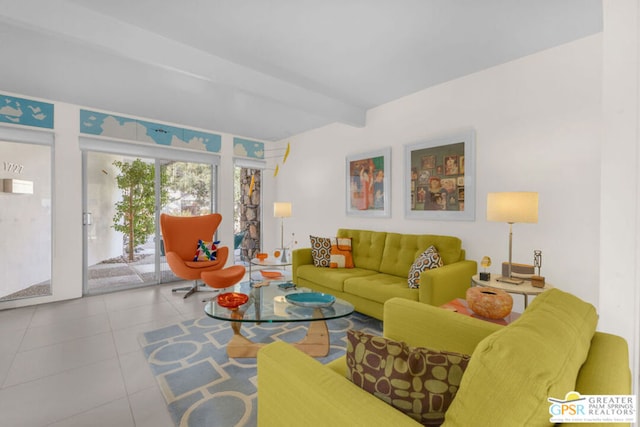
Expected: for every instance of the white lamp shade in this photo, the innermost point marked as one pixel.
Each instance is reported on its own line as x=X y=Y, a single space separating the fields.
x=282 y=209
x=512 y=207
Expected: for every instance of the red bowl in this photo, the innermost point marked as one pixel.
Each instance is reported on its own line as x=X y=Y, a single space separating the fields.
x=232 y=299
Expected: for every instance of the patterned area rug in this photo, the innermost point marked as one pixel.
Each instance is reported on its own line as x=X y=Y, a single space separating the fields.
x=203 y=386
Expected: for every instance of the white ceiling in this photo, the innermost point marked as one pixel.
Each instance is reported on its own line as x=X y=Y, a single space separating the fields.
x=267 y=69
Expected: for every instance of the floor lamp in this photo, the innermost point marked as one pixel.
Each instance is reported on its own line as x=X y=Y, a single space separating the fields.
x=511 y=208
x=282 y=210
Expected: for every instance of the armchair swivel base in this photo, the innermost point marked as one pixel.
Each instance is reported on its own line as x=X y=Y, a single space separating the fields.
x=189 y=289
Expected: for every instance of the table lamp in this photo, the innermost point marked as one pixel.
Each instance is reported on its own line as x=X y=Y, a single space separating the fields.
x=282 y=210
x=512 y=207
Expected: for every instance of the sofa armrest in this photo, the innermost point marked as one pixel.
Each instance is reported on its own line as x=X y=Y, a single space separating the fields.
x=299 y=257
x=606 y=370
x=292 y=387
x=441 y=285
x=423 y=325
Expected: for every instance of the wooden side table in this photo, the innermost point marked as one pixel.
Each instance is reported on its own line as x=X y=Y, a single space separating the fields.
x=460 y=305
x=524 y=288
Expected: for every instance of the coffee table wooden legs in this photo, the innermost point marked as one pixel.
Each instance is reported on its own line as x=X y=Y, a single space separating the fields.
x=315 y=343
x=241 y=346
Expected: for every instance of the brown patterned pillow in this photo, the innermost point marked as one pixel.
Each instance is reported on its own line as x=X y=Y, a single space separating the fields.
x=417 y=381
x=320 y=251
x=426 y=261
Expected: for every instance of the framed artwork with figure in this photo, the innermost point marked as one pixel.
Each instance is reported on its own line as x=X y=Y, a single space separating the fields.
x=440 y=178
x=369 y=183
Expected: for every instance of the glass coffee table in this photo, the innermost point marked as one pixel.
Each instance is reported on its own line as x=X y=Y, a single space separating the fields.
x=272 y=301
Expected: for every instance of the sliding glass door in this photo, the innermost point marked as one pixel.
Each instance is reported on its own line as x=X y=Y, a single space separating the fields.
x=119 y=222
x=187 y=190
x=124 y=196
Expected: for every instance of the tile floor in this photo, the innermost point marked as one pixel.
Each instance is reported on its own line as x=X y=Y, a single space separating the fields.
x=78 y=362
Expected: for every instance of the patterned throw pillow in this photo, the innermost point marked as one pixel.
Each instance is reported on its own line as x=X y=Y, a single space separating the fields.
x=426 y=261
x=206 y=251
x=418 y=381
x=320 y=251
x=341 y=253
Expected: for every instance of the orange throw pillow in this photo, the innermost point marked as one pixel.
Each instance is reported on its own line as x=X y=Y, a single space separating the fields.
x=341 y=256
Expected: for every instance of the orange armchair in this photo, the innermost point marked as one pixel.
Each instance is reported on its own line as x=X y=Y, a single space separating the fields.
x=181 y=235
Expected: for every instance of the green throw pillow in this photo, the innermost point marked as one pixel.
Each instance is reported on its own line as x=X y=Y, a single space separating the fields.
x=417 y=381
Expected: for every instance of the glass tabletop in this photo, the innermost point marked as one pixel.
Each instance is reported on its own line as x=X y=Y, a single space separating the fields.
x=267 y=302
x=270 y=262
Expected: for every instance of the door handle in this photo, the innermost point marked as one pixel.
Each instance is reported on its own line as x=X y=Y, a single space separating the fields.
x=87 y=218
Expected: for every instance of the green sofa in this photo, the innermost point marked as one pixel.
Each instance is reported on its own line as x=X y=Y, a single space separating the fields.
x=382 y=262
x=550 y=350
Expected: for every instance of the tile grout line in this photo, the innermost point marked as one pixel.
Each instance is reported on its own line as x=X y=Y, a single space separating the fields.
x=15 y=355
x=124 y=382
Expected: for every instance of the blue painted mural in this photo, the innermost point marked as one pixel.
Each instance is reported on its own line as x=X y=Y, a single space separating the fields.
x=109 y=125
x=26 y=112
x=248 y=148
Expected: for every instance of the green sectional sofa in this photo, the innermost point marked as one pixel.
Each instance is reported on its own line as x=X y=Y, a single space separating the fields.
x=551 y=350
x=382 y=262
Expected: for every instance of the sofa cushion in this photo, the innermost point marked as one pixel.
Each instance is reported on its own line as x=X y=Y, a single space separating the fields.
x=401 y=250
x=341 y=256
x=417 y=381
x=427 y=260
x=332 y=278
x=380 y=287
x=366 y=247
x=518 y=367
x=320 y=251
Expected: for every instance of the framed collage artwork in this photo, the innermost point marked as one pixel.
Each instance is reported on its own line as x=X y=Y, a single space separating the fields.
x=369 y=184
x=440 y=178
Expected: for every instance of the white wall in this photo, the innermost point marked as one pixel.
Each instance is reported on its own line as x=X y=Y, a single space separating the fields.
x=25 y=221
x=541 y=125
x=620 y=181
x=66 y=282
x=538 y=128
x=225 y=194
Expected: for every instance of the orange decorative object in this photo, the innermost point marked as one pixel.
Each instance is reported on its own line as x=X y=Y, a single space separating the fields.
x=276 y=254
x=232 y=299
x=270 y=274
x=488 y=302
x=262 y=256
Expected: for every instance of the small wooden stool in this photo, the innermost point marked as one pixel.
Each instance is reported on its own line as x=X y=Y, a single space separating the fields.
x=219 y=279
